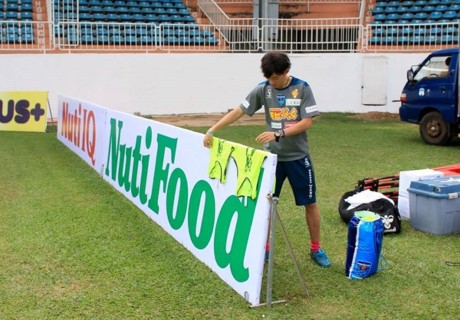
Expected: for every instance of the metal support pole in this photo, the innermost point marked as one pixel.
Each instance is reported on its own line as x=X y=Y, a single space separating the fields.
x=274 y=216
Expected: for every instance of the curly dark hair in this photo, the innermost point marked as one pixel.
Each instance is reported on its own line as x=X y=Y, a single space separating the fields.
x=274 y=62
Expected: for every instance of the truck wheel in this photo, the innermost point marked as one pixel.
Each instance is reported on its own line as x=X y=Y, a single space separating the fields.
x=433 y=129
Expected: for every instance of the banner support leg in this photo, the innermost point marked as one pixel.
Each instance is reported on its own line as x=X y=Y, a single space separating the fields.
x=274 y=216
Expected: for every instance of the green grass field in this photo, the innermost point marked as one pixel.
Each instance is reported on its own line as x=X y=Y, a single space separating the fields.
x=71 y=247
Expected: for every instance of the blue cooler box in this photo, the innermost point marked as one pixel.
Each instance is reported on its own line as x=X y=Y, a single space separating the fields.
x=435 y=205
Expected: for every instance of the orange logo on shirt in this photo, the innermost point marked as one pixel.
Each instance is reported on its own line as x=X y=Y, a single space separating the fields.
x=295 y=93
x=278 y=114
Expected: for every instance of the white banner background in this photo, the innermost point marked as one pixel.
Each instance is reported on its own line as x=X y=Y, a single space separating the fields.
x=188 y=161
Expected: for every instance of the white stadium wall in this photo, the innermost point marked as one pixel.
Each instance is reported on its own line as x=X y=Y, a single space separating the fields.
x=204 y=83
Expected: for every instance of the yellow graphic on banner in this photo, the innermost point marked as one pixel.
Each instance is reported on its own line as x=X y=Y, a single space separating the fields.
x=23 y=110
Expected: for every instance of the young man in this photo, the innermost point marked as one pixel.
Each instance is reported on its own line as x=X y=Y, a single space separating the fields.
x=289 y=110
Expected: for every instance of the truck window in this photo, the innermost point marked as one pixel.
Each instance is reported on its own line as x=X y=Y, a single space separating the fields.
x=436 y=67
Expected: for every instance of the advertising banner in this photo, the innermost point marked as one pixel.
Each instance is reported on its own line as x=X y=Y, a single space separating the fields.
x=81 y=127
x=23 y=110
x=215 y=206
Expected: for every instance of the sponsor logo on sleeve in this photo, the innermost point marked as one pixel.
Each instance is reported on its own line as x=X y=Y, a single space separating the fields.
x=245 y=104
x=311 y=109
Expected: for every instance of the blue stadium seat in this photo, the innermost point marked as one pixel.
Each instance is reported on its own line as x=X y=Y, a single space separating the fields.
x=436 y=31
x=198 y=40
x=130 y=40
x=403 y=40
x=415 y=9
x=421 y=16
x=433 y=2
x=402 y=10
x=407 y=3
x=83 y=9
x=393 y=4
x=137 y=17
x=435 y=15
x=390 y=9
x=99 y=17
x=102 y=39
x=449 y=39
x=431 y=39
x=186 y=40
x=117 y=40
x=407 y=16
x=417 y=40
x=392 y=17
x=11 y=38
x=126 y=17
x=389 y=40
x=109 y=9
x=84 y=16
x=420 y=31
x=96 y=9
x=151 y=17
x=27 y=38
x=112 y=17
x=446 y=2
x=375 y=40
x=146 y=40
x=428 y=9
x=87 y=39
x=449 y=15
x=420 y=3
x=407 y=31
x=451 y=30
x=441 y=7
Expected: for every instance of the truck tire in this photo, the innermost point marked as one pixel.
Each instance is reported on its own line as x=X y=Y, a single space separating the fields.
x=433 y=129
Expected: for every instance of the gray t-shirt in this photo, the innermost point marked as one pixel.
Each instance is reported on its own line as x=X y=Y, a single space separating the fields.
x=284 y=108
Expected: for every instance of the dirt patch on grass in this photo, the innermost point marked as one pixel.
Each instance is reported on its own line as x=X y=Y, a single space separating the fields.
x=205 y=119
x=208 y=119
x=374 y=116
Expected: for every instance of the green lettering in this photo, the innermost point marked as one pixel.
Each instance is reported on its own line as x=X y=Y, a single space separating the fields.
x=200 y=238
x=161 y=173
x=177 y=220
x=114 y=148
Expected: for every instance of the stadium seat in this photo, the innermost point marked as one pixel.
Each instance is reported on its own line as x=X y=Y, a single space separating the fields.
x=130 y=40
x=451 y=31
x=415 y=9
x=374 y=40
x=449 y=39
x=117 y=40
x=99 y=17
x=102 y=39
x=449 y=15
x=27 y=38
x=407 y=31
x=420 y=3
x=126 y=17
x=407 y=3
x=421 y=16
x=87 y=39
x=433 y=2
x=441 y=8
x=211 y=41
x=407 y=16
x=390 y=9
x=392 y=17
x=435 y=15
x=199 y=40
x=402 y=10
x=403 y=40
x=151 y=17
x=428 y=9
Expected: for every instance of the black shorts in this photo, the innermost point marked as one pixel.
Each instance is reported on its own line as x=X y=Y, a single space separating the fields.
x=301 y=177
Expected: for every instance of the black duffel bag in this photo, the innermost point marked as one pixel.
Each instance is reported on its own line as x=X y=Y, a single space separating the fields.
x=388 y=212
